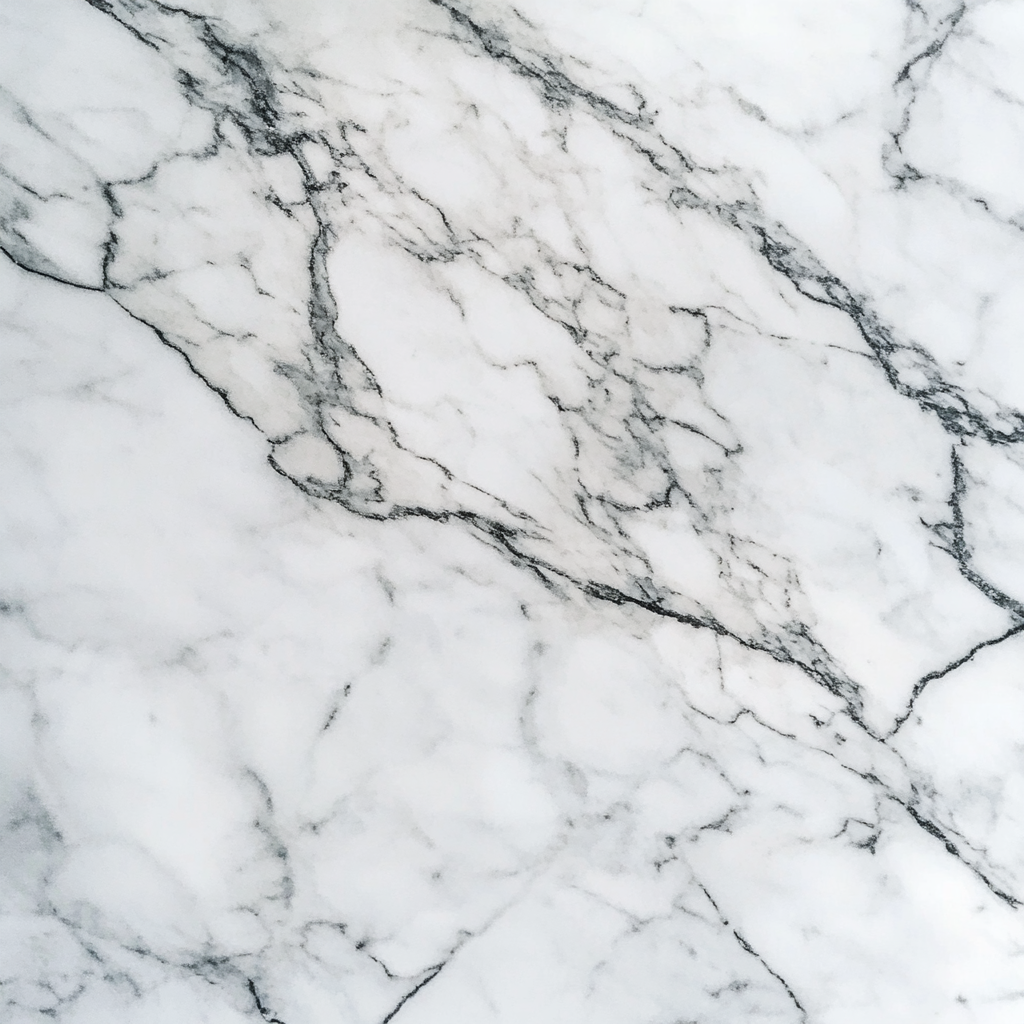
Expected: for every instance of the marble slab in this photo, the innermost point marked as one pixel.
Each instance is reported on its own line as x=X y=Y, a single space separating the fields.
x=512 y=513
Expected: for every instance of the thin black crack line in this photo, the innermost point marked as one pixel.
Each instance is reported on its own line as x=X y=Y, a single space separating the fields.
x=951 y=848
x=960 y=550
x=842 y=687
x=928 y=826
x=930 y=54
x=749 y=949
x=922 y=683
x=955 y=544
x=947 y=26
x=887 y=791
x=431 y=974
x=260 y=1007
x=106 y=7
x=22 y=265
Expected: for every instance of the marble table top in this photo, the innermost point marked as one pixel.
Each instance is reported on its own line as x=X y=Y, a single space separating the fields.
x=512 y=514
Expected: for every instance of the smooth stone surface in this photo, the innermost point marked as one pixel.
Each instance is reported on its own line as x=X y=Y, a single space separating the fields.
x=511 y=513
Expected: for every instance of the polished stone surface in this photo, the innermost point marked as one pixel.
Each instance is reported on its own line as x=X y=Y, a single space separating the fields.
x=512 y=513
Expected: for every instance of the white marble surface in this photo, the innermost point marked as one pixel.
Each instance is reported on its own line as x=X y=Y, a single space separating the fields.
x=512 y=514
